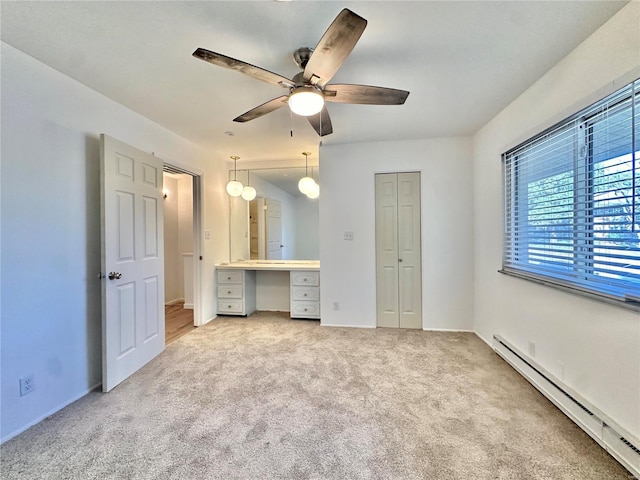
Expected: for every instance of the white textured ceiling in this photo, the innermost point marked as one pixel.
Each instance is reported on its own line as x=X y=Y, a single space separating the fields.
x=463 y=62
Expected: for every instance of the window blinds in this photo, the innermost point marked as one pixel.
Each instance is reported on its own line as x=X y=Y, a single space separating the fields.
x=572 y=200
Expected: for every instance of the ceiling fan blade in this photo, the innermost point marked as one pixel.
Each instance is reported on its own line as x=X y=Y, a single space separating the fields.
x=364 y=94
x=242 y=67
x=334 y=47
x=323 y=120
x=263 y=109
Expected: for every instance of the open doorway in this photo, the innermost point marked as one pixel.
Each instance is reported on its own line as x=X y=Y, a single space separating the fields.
x=181 y=251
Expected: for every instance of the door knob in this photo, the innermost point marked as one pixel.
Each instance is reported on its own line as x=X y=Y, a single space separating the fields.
x=115 y=275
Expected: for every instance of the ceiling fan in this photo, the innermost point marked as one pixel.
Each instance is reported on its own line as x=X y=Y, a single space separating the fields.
x=309 y=89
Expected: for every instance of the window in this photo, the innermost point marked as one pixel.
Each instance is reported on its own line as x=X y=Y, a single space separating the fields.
x=572 y=201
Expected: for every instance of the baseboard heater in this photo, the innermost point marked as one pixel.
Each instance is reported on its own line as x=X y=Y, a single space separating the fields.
x=620 y=444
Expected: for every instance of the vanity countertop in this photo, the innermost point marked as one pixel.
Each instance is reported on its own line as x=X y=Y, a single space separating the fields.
x=284 y=265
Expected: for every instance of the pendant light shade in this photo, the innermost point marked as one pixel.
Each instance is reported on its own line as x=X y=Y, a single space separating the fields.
x=314 y=192
x=249 y=193
x=234 y=187
x=306 y=101
x=305 y=184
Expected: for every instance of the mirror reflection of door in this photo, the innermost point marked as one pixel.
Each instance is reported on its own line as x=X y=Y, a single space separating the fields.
x=274 y=230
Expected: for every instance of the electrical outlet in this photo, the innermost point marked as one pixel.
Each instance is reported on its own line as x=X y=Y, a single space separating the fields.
x=336 y=305
x=207 y=234
x=26 y=385
x=348 y=235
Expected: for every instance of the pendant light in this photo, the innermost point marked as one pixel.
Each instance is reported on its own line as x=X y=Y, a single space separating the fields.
x=306 y=183
x=248 y=192
x=314 y=192
x=315 y=189
x=234 y=187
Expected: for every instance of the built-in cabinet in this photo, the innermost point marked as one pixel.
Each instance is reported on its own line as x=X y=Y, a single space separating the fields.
x=236 y=292
x=305 y=294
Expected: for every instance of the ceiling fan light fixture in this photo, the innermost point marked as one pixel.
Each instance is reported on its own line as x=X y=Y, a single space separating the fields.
x=306 y=101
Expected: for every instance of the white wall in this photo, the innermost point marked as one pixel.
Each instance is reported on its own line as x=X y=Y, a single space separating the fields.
x=50 y=256
x=173 y=289
x=185 y=226
x=592 y=346
x=178 y=232
x=347 y=195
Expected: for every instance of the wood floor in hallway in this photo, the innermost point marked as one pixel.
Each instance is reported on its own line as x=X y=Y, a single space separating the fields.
x=178 y=321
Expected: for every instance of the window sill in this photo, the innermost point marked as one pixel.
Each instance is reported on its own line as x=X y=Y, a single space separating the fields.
x=632 y=305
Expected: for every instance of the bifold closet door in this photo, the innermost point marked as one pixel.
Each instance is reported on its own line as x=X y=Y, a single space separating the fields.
x=398 y=255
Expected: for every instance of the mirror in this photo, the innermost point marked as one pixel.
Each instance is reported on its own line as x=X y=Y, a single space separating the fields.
x=288 y=211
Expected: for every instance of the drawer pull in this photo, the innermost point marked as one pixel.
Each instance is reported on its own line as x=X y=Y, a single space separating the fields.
x=228 y=306
x=305 y=309
x=229 y=292
x=305 y=279
x=228 y=278
x=305 y=294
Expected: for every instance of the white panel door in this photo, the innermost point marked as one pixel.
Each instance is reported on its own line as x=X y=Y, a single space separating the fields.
x=409 y=251
x=398 y=250
x=274 y=230
x=132 y=260
x=387 y=250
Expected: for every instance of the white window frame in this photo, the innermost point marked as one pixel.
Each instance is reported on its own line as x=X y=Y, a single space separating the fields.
x=567 y=240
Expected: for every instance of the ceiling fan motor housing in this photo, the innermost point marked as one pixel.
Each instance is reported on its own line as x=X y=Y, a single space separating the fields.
x=301 y=56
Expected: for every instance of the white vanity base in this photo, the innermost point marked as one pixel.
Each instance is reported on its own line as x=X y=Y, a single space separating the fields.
x=276 y=285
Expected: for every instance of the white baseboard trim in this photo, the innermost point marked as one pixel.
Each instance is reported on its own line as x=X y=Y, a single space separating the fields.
x=49 y=413
x=174 y=301
x=188 y=306
x=451 y=330
x=617 y=441
x=345 y=326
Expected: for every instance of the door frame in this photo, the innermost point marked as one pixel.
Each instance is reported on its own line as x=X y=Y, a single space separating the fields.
x=198 y=213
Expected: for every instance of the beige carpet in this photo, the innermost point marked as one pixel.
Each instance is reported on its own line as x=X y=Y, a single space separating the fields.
x=266 y=397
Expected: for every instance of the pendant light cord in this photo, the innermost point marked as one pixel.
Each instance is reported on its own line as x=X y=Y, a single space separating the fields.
x=235 y=168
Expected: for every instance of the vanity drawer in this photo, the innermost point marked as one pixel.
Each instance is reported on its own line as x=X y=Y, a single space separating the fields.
x=230 y=291
x=230 y=276
x=230 y=306
x=305 y=310
x=305 y=278
x=305 y=293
